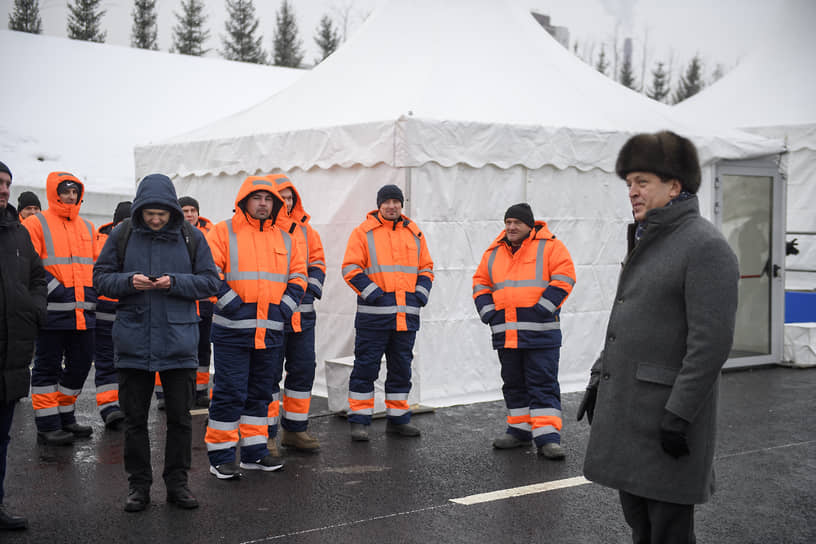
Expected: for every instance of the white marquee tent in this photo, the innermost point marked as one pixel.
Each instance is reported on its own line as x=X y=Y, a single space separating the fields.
x=773 y=93
x=82 y=107
x=469 y=106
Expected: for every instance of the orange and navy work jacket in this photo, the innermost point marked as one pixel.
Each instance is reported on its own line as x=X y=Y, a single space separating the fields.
x=105 y=306
x=520 y=294
x=263 y=274
x=66 y=243
x=309 y=240
x=388 y=265
x=204 y=307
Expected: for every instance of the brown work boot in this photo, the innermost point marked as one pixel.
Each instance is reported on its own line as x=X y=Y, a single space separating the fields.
x=300 y=440
x=272 y=446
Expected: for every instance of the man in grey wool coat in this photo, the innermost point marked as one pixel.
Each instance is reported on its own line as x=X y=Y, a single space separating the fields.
x=652 y=394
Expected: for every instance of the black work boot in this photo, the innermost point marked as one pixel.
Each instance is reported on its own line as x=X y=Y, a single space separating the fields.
x=508 y=441
x=402 y=429
x=55 y=438
x=79 y=431
x=182 y=497
x=9 y=521
x=359 y=432
x=137 y=500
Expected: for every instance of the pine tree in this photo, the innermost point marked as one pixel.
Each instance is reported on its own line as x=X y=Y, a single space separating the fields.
x=144 y=29
x=627 y=76
x=240 y=43
x=84 y=21
x=326 y=37
x=288 y=47
x=717 y=74
x=602 y=63
x=26 y=16
x=189 y=34
x=660 y=84
x=691 y=82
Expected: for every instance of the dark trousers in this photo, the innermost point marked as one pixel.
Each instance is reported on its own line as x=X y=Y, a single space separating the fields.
x=6 y=415
x=106 y=378
x=63 y=359
x=369 y=347
x=204 y=357
x=658 y=522
x=246 y=380
x=530 y=380
x=300 y=372
x=135 y=390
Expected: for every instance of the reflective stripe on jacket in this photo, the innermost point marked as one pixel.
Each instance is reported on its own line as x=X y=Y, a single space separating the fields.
x=311 y=245
x=204 y=307
x=388 y=265
x=264 y=275
x=520 y=294
x=105 y=306
x=66 y=244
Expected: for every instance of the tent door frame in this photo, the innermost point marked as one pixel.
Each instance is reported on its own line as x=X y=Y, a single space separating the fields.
x=762 y=167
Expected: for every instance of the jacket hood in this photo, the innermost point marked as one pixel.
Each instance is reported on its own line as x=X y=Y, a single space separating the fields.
x=298 y=214
x=260 y=183
x=54 y=203
x=539 y=231
x=156 y=189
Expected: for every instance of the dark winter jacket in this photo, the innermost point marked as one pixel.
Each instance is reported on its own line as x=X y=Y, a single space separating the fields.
x=669 y=334
x=22 y=304
x=156 y=330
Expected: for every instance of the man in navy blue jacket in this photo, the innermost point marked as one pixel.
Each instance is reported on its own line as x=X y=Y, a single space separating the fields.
x=157 y=278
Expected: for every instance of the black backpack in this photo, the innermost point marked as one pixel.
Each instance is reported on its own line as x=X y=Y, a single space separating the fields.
x=187 y=231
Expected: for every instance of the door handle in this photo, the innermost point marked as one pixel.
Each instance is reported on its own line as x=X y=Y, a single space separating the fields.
x=776 y=269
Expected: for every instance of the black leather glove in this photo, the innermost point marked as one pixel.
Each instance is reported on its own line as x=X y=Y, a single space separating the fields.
x=587 y=405
x=673 y=438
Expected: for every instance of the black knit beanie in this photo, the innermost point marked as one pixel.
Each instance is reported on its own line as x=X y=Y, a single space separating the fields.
x=4 y=168
x=389 y=191
x=523 y=212
x=122 y=212
x=189 y=201
x=27 y=198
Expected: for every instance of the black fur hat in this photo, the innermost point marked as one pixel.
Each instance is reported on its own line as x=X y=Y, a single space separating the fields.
x=664 y=153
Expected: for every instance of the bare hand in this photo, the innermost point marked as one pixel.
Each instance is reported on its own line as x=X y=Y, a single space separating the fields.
x=163 y=282
x=145 y=283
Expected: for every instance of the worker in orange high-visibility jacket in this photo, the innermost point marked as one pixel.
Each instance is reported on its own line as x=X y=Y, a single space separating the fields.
x=264 y=278
x=66 y=243
x=106 y=379
x=521 y=283
x=190 y=207
x=388 y=265
x=299 y=337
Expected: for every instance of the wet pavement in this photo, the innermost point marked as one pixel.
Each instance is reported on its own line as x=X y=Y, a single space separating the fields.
x=400 y=490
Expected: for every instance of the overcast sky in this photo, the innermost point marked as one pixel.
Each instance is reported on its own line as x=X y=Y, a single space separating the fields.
x=722 y=31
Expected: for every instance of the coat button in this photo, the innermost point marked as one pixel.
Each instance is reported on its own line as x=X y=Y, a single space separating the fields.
x=611 y=337
x=620 y=300
x=606 y=376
